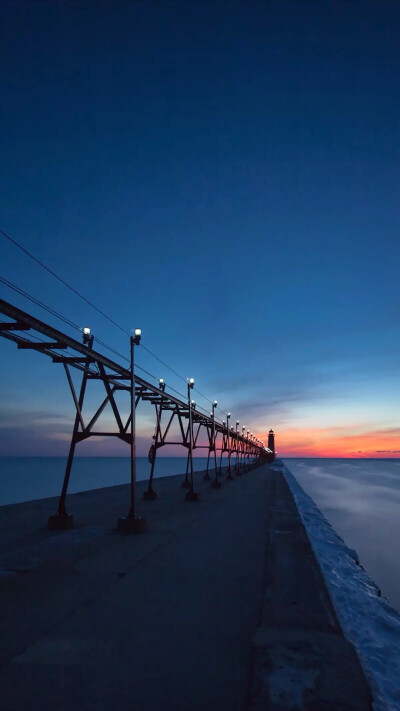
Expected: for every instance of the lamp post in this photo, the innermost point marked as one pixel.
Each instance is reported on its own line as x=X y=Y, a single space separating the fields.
x=211 y=442
x=242 y=451
x=216 y=483
x=222 y=447
x=229 y=441
x=191 y=494
x=237 y=468
x=186 y=482
x=132 y=523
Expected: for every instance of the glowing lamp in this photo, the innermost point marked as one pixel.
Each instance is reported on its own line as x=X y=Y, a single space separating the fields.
x=138 y=335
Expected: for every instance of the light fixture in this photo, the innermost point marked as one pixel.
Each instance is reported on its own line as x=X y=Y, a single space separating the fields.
x=86 y=334
x=229 y=414
x=191 y=382
x=237 y=422
x=215 y=403
x=137 y=337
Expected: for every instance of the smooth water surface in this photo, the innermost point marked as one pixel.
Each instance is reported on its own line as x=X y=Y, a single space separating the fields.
x=361 y=500
x=28 y=478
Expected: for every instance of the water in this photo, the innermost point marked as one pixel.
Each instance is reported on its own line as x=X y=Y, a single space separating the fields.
x=361 y=500
x=28 y=478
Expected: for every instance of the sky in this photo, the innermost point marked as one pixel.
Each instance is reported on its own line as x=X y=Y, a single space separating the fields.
x=224 y=176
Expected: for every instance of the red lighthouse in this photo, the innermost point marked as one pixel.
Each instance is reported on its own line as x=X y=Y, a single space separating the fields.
x=271 y=442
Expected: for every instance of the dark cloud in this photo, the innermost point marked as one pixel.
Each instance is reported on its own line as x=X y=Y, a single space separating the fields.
x=387 y=451
x=19 y=417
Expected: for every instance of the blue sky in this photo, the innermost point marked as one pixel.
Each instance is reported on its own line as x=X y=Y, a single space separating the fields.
x=225 y=176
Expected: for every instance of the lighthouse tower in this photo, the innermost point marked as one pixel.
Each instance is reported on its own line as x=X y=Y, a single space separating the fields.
x=271 y=442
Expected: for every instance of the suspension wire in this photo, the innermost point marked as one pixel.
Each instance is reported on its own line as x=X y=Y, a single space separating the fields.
x=90 y=303
x=71 y=288
x=165 y=364
x=67 y=321
x=36 y=301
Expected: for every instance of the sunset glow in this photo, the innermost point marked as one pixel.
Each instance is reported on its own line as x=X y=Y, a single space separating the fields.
x=335 y=442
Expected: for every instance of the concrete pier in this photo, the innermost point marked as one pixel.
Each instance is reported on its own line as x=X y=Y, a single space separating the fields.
x=220 y=605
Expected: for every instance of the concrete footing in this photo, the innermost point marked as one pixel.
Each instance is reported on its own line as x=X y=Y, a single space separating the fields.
x=192 y=496
x=131 y=525
x=60 y=523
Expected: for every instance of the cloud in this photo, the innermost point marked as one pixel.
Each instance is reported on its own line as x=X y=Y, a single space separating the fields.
x=20 y=418
x=48 y=433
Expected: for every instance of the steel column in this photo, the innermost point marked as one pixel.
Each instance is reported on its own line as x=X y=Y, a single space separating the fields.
x=62 y=520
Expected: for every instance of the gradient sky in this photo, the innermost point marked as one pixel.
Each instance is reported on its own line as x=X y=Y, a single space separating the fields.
x=224 y=175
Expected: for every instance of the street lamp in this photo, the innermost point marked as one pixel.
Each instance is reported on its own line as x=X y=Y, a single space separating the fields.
x=86 y=334
x=191 y=494
x=217 y=484
x=229 y=442
x=132 y=523
x=237 y=449
x=211 y=448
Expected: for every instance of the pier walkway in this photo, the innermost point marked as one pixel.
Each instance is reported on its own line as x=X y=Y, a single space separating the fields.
x=219 y=606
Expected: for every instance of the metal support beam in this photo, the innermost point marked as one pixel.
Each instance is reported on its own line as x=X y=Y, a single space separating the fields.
x=62 y=520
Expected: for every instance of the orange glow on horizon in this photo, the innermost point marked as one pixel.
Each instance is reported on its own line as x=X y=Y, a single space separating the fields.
x=336 y=442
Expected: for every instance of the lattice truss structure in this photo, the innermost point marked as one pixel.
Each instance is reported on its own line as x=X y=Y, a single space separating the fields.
x=242 y=450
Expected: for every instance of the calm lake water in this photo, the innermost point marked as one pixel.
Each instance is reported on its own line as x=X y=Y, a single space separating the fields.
x=28 y=478
x=359 y=497
x=361 y=500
